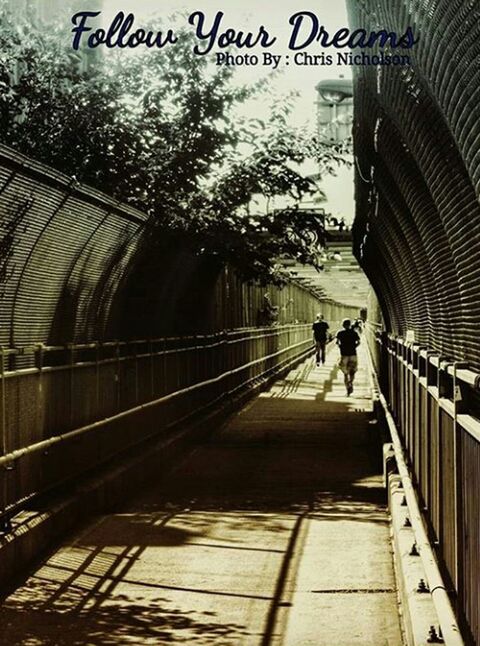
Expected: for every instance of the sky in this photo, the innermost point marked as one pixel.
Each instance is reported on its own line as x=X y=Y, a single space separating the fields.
x=249 y=15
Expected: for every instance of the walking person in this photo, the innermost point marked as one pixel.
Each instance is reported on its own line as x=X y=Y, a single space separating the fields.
x=358 y=326
x=320 y=335
x=347 y=341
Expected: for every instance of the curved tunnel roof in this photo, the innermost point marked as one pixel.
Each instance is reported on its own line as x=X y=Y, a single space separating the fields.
x=417 y=138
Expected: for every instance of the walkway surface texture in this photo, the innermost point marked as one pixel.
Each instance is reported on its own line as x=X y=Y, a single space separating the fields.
x=272 y=532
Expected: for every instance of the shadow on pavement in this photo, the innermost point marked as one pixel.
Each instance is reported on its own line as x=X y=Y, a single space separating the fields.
x=157 y=573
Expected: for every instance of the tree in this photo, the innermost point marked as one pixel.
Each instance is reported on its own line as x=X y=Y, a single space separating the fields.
x=160 y=131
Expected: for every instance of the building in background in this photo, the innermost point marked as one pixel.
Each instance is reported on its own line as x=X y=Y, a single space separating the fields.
x=44 y=13
x=339 y=276
x=334 y=119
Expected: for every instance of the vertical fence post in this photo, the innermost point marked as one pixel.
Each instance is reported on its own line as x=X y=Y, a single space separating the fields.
x=97 y=378
x=216 y=361
x=435 y=454
x=194 y=363
x=177 y=358
x=117 y=374
x=225 y=361
x=99 y=437
x=425 y=430
x=408 y=395
x=394 y=381
x=5 y=525
x=444 y=392
x=71 y=363
x=399 y=383
x=460 y=407
x=418 y=416
x=384 y=363
x=164 y=389
x=135 y=359
x=40 y=407
x=208 y=353
x=152 y=369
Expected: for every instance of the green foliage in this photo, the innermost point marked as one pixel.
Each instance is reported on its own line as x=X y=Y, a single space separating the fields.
x=162 y=132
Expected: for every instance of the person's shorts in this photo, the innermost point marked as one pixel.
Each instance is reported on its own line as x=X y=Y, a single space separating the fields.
x=348 y=365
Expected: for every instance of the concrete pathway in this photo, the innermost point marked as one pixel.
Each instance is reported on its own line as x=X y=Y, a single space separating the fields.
x=273 y=532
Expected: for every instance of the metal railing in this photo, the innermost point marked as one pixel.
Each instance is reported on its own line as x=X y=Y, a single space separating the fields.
x=82 y=404
x=436 y=406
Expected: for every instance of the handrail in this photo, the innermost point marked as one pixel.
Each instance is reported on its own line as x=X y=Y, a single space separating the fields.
x=188 y=337
x=469 y=423
x=465 y=375
x=219 y=337
x=46 y=444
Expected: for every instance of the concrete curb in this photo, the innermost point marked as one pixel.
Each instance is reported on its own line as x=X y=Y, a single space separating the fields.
x=419 y=616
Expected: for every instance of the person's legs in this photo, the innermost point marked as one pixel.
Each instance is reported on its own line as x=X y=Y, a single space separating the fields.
x=317 y=352
x=322 y=351
x=348 y=381
x=343 y=365
x=352 y=366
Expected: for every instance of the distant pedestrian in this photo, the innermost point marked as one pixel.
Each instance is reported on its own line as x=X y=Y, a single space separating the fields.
x=358 y=326
x=347 y=341
x=320 y=335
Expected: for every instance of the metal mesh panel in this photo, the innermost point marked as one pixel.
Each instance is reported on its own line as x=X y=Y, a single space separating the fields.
x=64 y=250
x=23 y=411
x=74 y=269
x=417 y=234
x=24 y=215
x=417 y=139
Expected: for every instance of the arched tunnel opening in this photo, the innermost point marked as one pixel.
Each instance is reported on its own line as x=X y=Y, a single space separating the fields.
x=164 y=387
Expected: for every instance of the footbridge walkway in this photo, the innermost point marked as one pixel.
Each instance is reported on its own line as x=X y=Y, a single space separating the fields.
x=272 y=529
x=187 y=521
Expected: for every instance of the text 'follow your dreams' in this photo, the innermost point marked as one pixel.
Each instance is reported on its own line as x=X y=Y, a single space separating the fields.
x=212 y=35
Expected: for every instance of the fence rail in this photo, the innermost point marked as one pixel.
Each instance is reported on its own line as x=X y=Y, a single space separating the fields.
x=436 y=406
x=82 y=404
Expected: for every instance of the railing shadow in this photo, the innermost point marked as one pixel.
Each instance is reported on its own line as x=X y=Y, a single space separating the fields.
x=130 y=579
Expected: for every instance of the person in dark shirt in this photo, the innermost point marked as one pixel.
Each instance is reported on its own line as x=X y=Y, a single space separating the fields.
x=347 y=341
x=320 y=335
